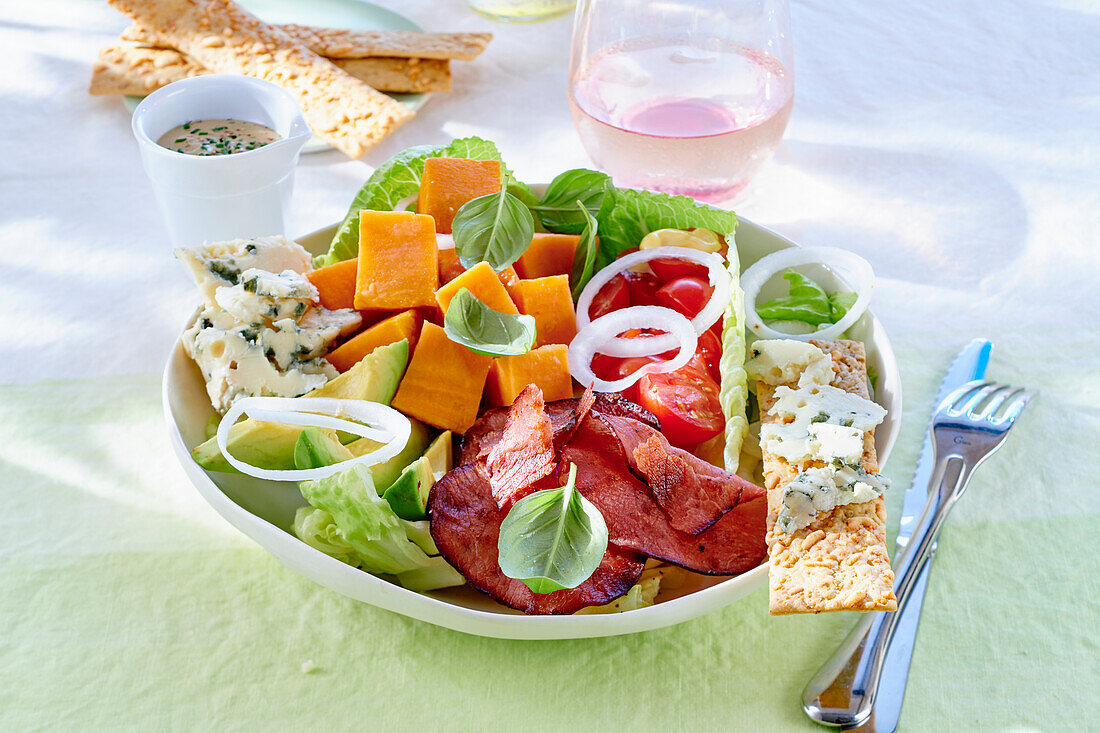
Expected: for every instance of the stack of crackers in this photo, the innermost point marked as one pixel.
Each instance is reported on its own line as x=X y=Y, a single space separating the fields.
x=336 y=75
x=839 y=562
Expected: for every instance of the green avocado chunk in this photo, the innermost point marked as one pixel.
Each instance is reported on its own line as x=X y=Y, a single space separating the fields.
x=408 y=495
x=271 y=445
x=440 y=453
x=384 y=474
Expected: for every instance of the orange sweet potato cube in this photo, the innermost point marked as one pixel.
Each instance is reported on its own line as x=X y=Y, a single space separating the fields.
x=404 y=325
x=484 y=284
x=549 y=254
x=448 y=183
x=546 y=366
x=449 y=266
x=444 y=382
x=398 y=260
x=547 y=299
x=335 y=284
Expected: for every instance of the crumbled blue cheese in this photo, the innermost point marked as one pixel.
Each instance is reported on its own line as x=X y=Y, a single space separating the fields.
x=819 y=490
x=826 y=404
x=781 y=361
x=220 y=264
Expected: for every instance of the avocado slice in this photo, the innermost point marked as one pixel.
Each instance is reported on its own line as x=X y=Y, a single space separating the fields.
x=270 y=445
x=384 y=474
x=408 y=495
x=440 y=454
x=315 y=449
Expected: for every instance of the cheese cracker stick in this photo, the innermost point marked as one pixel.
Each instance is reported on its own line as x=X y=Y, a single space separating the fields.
x=139 y=70
x=340 y=43
x=838 y=562
x=226 y=39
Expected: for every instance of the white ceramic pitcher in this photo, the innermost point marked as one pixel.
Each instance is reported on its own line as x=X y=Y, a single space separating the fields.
x=217 y=197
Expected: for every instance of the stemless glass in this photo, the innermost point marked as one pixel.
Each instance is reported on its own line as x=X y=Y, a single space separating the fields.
x=687 y=97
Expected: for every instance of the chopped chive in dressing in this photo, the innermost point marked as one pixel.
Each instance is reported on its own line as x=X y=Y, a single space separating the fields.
x=217 y=137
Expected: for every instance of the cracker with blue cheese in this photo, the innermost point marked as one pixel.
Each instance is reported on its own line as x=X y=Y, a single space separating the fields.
x=826 y=515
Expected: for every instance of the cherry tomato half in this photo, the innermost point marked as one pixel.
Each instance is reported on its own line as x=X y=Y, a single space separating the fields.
x=685 y=402
x=611 y=297
x=643 y=288
x=670 y=268
x=685 y=295
x=710 y=350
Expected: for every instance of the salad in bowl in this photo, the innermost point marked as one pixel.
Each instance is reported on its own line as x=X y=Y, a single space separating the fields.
x=478 y=397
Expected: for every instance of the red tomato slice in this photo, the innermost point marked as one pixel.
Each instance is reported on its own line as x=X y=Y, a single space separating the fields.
x=710 y=351
x=685 y=402
x=611 y=297
x=685 y=295
x=643 y=288
x=670 y=268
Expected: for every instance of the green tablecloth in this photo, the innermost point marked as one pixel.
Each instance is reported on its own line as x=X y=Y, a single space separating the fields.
x=127 y=603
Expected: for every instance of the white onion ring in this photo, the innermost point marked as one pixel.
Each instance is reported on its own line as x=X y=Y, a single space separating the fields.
x=598 y=334
x=754 y=278
x=711 y=312
x=320 y=412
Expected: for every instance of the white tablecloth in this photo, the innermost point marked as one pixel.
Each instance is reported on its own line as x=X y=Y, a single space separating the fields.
x=954 y=145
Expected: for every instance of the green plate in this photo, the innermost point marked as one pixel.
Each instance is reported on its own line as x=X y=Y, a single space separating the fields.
x=353 y=14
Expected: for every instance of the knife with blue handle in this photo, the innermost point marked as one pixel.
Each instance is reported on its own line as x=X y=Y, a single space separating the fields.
x=969 y=365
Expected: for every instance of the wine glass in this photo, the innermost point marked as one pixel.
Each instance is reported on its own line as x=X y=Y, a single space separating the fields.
x=687 y=97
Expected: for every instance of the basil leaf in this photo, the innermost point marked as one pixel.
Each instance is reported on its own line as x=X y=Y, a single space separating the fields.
x=552 y=539
x=558 y=211
x=486 y=331
x=496 y=228
x=584 y=259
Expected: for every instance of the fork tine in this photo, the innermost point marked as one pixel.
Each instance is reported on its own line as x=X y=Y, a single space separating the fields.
x=996 y=399
x=1015 y=408
x=978 y=397
x=951 y=404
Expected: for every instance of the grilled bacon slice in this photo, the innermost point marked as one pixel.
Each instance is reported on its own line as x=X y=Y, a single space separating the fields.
x=466 y=526
x=693 y=493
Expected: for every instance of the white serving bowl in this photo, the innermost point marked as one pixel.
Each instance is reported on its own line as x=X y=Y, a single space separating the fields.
x=265 y=510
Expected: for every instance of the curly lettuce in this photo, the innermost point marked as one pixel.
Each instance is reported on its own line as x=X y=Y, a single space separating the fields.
x=627 y=215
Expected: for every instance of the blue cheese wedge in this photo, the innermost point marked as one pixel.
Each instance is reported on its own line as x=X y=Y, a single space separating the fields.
x=262 y=332
x=826 y=404
x=220 y=264
x=782 y=361
x=234 y=364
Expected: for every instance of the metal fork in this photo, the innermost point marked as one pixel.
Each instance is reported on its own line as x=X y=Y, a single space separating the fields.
x=967 y=427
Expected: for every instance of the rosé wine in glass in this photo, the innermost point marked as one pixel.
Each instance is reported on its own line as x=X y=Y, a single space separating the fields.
x=685 y=111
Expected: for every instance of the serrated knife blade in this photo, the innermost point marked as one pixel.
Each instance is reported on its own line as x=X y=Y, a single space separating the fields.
x=969 y=365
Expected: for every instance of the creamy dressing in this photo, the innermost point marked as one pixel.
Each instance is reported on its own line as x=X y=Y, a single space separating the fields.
x=217 y=137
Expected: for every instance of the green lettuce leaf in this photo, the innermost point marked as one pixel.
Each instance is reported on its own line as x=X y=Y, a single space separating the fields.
x=733 y=391
x=397 y=179
x=351 y=522
x=806 y=302
x=628 y=215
